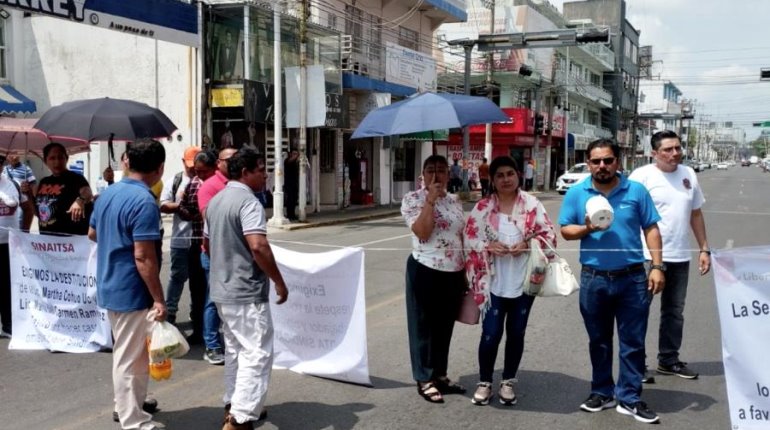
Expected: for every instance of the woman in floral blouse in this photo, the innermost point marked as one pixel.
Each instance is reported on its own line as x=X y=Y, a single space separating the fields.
x=435 y=278
x=496 y=239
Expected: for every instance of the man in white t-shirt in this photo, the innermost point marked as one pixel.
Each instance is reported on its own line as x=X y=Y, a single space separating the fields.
x=11 y=199
x=678 y=198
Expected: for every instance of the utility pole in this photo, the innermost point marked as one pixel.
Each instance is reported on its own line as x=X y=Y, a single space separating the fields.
x=468 y=47
x=536 y=148
x=278 y=219
x=490 y=73
x=566 y=120
x=303 y=110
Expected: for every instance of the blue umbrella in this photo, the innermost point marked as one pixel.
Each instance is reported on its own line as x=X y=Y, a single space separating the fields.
x=429 y=111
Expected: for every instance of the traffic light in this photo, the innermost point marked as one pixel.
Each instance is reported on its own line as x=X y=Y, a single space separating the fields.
x=539 y=123
x=593 y=35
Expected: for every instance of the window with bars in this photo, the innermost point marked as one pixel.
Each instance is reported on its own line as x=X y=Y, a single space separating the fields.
x=408 y=38
x=365 y=29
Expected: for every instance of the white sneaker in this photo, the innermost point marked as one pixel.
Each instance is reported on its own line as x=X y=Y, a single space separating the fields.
x=4 y=334
x=506 y=394
x=483 y=394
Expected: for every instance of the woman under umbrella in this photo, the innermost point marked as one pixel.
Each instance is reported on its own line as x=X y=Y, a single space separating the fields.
x=435 y=279
x=497 y=246
x=64 y=199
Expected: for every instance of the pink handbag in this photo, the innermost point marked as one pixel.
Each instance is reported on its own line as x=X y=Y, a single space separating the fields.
x=469 y=311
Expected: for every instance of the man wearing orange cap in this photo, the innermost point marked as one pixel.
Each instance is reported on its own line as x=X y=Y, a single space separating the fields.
x=185 y=265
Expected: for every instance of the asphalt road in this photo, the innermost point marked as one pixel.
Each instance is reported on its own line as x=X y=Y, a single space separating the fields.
x=43 y=390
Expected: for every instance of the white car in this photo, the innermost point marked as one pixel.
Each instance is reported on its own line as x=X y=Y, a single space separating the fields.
x=577 y=173
x=722 y=166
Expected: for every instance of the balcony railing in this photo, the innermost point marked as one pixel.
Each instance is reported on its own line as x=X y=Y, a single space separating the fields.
x=590 y=131
x=602 y=53
x=587 y=90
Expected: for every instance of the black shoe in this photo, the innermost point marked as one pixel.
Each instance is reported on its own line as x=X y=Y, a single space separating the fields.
x=679 y=369
x=214 y=356
x=639 y=411
x=597 y=402
x=647 y=378
x=150 y=406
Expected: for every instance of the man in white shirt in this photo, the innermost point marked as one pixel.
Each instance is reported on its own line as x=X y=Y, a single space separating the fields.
x=678 y=198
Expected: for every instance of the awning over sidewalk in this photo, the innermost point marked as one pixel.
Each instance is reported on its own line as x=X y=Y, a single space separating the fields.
x=12 y=101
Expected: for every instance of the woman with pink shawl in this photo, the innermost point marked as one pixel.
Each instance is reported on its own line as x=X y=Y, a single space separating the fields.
x=496 y=240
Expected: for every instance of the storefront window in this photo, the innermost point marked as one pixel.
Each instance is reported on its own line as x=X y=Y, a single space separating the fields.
x=403 y=161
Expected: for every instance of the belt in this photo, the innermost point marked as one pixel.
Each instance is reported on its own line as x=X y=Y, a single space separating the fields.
x=619 y=272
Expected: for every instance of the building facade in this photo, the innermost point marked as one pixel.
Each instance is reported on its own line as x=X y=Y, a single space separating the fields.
x=623 y=81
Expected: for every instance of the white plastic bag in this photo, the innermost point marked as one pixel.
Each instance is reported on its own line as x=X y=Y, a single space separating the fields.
x=166 y=342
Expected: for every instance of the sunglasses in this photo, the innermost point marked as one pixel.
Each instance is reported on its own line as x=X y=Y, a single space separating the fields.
x=607 y=161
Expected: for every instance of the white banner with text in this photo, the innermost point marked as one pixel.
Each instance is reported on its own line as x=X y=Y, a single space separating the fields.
x=53 y=294
x=742 y=278
x=321 y=329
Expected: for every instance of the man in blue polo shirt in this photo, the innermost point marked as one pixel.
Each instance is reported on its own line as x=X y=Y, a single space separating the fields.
x=125 y=225
x=614 y=283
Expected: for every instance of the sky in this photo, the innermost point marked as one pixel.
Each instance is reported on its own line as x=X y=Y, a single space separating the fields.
x=712 y=50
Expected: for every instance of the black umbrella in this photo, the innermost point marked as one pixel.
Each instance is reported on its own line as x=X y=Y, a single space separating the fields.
x=105 y=120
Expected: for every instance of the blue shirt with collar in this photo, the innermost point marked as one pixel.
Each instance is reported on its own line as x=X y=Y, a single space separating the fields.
x=621 y=244
x=124 y=213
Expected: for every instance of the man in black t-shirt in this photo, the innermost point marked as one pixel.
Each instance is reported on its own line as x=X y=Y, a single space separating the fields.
x=64 y=200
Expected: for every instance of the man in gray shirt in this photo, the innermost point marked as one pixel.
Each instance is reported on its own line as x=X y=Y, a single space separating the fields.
x=241 y=263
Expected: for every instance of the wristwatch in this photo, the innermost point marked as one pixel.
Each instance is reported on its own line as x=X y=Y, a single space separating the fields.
x=661 y=267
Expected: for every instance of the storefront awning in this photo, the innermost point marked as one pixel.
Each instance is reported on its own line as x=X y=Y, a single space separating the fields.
x=423 y=136
x=12 y=101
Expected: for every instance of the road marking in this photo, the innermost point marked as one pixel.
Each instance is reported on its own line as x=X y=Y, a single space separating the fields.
x=385 y=302
x=737 y=213
x=360 y=245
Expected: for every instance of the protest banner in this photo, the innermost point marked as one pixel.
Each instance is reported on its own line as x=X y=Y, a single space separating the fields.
x=53 y=294
x=321 y=329
x=742 y=278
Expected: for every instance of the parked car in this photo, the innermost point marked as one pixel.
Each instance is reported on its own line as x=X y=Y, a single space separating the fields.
x=722 y=166
x=575 y=174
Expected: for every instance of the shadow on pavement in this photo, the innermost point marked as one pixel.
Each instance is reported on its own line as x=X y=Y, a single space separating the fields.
x=549 y=392
x=387 y=384
x=709 y=368
x=194 y=418
x=669 y=401
x=311 y=416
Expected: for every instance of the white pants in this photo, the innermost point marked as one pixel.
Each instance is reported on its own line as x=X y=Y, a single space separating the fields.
x=248 y=334
x=130 y=367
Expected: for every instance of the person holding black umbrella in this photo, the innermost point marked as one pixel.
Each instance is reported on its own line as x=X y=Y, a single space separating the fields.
x=64 y=199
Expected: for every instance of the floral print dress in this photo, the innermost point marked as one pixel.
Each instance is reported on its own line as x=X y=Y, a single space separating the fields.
x=444 y=249
x=482 y=228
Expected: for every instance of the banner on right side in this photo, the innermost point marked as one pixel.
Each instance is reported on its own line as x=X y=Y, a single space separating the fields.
x=742 y=278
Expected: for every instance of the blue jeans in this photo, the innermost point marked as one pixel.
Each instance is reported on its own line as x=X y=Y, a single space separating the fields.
x=179 y=275
x=605 y=300
x=211 y=320
x=672 y=312
x=511 y=314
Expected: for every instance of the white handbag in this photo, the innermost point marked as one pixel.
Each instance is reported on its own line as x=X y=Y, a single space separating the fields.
x=559 y=279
